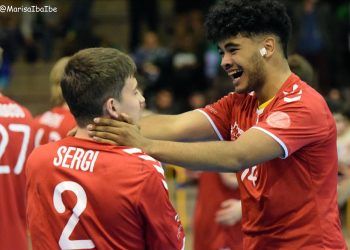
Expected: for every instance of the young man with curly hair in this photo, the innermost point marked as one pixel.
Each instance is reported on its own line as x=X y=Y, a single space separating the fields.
x=276 y=133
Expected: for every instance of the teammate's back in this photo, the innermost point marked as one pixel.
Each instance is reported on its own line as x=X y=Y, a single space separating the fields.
x=16 y=142
x=82 y=195
x=53 y=125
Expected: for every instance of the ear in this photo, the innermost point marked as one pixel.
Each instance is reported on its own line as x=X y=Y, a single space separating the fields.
x=270 y=44
x=111 y=107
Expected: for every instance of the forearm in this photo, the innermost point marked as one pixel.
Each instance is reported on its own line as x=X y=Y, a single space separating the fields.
x=188 y=126
x=220 y=156
x=158 y=127
x=206 y=156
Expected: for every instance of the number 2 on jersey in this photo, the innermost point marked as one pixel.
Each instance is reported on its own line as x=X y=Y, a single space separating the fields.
x=64 y=241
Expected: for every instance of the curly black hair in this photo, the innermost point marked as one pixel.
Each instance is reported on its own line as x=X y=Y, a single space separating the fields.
x=248 y=18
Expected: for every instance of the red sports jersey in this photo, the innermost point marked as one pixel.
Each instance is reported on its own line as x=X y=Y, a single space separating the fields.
x=84 y=195
x=288 y=203
x=16 y=142
x=53 y=125
x=208 y=234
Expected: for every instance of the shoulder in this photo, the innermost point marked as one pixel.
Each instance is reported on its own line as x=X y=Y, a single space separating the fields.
x=11 y=109
x=143 y=167
x=232 y=100
x=303 y=103
x=300 y=94
x=126 y=160
x=147 y=163
x=238 y=98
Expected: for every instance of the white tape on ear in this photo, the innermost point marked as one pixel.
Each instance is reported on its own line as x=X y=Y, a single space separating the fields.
x=263 y=51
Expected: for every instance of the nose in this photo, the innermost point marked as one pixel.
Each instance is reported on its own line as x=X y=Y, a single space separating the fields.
x=142 y=101
x=226 y=61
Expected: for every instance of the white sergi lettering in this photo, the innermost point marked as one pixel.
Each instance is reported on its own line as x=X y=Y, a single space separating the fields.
x=75 y=158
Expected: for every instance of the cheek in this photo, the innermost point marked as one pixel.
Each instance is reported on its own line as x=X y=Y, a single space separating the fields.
x=130 y=105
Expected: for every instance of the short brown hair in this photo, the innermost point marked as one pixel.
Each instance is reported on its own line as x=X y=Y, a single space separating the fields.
x=91 y=77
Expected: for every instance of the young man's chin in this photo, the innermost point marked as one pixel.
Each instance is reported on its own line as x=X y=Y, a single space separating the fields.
x=239 y=90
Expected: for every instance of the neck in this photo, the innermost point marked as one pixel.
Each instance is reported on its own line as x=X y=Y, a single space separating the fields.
x=65 y=106
x=82 y=133
x=276 y=75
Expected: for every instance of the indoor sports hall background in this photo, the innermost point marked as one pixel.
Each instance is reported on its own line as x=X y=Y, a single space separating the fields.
x=178 y=70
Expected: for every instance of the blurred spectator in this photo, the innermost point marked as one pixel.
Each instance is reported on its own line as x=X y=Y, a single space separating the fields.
x=313 y=37
x=335 y=100
x=79 y=17
x=79 y=28
x=164 y=103
x=139 y=11
x=10 y=43
x=185 y=7
x=39 y=30
x=153 y=62
x=342 y=119
x=211 y=63
x=341 y=55
x=188 y=67
x=197 y=100
x=300 y=66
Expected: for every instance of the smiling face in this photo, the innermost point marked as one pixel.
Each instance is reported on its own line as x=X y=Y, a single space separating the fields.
x=131 y=100
x=241 y=59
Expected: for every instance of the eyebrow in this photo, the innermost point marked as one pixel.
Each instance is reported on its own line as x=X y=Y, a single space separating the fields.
x=229 y=45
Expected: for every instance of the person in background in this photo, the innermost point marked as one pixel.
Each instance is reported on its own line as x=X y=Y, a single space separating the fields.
x=58 y=121
x=153 y=62
x=16 y=142
x=301 y=67
x=218 y=212
x=342 y=119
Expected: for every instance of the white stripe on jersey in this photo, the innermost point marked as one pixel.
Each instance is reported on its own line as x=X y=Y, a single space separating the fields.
x=159 y=169
x=132 y=150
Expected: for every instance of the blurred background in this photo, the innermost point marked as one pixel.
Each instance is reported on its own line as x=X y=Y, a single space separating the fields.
x=178 y=70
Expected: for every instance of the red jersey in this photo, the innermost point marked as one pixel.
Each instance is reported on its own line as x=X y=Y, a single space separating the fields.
x=86 y=195
x=16 y=142
x=288 y=203
x=208 y=234
x=53 y=125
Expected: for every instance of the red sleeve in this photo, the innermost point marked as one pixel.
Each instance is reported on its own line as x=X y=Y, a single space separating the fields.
x=162 y=224
x=219 y=115
x=296 y=124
